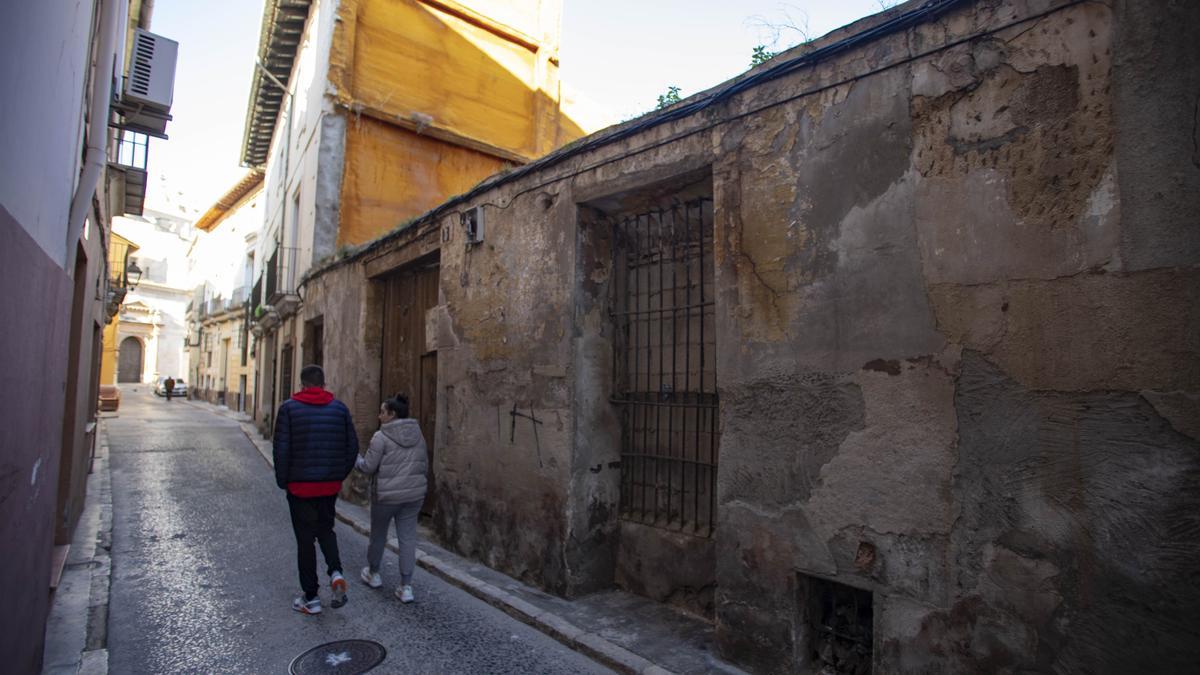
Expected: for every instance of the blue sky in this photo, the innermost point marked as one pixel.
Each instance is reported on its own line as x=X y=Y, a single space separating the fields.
x=618 y=54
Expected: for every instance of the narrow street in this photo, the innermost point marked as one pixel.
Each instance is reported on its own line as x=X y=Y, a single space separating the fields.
x=204 y=569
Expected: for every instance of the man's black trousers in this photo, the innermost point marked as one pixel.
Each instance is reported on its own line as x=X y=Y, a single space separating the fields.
x=312 y=518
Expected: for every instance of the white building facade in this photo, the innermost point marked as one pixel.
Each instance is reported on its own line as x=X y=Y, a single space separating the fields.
x=154 y=312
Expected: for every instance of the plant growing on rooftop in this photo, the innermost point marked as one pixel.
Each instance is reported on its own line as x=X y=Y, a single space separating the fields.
x=761 y=55
x=668 y=99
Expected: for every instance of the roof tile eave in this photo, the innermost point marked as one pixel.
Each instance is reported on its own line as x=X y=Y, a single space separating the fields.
x=277 y=48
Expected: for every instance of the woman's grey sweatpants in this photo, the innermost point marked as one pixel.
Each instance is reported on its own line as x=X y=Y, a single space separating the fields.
x=405 y=516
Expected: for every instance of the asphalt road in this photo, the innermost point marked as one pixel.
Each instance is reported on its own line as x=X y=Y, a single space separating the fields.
x=204 y=569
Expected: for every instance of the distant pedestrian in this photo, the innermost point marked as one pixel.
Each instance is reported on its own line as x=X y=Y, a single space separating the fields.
x=169 y=385
x=398 y=458
x=314 y=447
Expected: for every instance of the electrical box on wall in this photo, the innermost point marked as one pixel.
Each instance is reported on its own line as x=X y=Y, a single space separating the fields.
x=472 y=221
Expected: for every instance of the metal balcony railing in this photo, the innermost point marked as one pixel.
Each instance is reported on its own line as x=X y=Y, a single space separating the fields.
x=237 y=298
x=272 y=280
x=256 y=296
x=283 y=265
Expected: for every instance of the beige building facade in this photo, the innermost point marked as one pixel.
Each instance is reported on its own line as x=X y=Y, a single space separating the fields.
x=222 y=370
x=221 y=367
x=882 y=356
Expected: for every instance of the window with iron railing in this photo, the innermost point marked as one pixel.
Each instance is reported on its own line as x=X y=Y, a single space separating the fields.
x=664 y=366
x=287 y=269
x=237 y=298
x=256 y=297
x=272 y=281
x=281 y=273
x=244 y=341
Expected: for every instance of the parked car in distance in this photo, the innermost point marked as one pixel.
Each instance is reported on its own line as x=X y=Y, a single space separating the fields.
x=180 y=389
x=110 y=397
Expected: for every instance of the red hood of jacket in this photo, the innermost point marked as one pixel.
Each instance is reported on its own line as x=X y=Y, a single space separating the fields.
x=313 y=396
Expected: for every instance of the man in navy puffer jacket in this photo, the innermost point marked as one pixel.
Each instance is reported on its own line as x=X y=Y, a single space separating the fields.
x=314 y=447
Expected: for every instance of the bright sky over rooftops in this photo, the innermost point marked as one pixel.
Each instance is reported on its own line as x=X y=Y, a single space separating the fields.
x=616 y=55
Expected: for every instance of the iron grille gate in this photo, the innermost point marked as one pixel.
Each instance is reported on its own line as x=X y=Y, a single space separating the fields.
x=664 y=366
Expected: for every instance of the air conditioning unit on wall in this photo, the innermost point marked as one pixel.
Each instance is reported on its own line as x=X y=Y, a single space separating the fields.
x=146 y=98
x=151 y=78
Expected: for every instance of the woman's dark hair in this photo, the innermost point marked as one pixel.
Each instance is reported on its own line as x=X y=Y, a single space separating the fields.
x=398 y=404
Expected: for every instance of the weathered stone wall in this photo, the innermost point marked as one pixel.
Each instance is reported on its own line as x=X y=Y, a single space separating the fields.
x=943 y=354
x=504 y=458
x=958 y=352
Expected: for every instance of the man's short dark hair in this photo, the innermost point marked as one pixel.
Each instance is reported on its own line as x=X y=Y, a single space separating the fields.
x=312 y=376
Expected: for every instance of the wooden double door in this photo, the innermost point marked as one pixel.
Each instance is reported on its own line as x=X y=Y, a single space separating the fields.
x=409 y=362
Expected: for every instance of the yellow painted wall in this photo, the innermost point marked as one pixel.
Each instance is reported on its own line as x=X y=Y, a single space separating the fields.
x=118 y=249
x=228 y=373
x=393 y=174
x=451 y=70
x=108 y=357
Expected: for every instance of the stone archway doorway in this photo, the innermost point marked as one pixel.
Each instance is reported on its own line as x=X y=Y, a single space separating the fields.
x=129 y=361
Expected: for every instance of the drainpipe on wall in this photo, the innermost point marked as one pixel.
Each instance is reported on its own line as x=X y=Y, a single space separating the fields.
x=97 y=136
x=144 y=14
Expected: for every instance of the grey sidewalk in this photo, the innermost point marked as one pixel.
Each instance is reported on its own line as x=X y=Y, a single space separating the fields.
x=77 y=628
x=624 y=631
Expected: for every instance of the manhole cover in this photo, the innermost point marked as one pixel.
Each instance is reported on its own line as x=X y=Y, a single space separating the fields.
x=344 y=657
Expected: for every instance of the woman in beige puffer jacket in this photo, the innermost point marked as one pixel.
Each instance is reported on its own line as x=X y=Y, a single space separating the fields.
x=399 y=460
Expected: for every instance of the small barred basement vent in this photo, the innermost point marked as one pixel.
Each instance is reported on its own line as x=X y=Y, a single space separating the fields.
x=839 y=621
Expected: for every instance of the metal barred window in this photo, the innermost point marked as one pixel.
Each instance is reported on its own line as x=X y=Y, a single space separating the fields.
x=664 y=366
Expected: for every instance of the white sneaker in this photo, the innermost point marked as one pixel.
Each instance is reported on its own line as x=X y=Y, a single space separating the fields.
x=306 y=606
x=337 y=583
x=370 y=578
x=405 y=594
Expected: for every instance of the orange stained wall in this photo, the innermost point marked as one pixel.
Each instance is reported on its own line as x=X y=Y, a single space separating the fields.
x=392 y=174
x=448 y=69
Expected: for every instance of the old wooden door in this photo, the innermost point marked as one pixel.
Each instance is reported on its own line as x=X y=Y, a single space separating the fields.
x=129 y=360
x=409 y=364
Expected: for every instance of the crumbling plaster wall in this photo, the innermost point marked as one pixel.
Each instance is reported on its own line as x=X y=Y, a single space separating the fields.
x=944 y=376
x=503 y=343
x=523 y=334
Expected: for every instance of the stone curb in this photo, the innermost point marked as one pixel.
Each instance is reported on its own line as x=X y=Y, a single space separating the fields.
x=94 y=658
x=594 y=646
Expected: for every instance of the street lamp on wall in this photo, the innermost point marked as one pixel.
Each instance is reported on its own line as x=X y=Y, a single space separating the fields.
x=133 y=274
